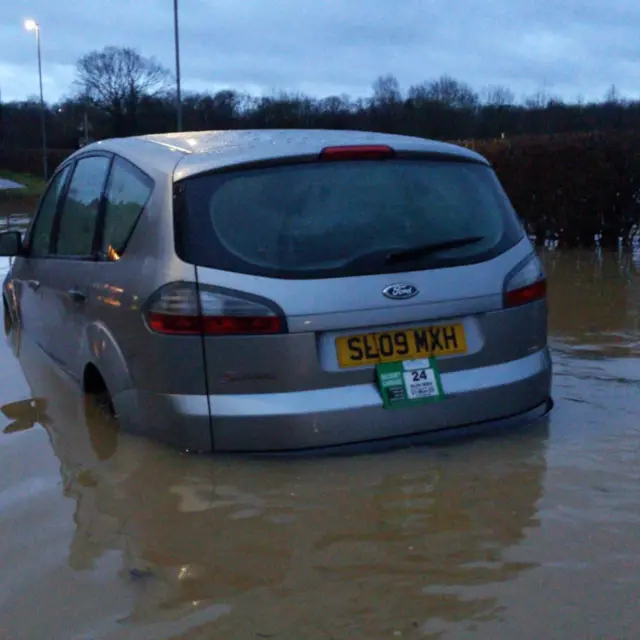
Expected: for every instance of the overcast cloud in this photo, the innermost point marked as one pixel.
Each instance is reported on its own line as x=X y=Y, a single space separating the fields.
x=569 y=48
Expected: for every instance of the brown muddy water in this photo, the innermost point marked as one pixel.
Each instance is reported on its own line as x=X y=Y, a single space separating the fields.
x=533 y=533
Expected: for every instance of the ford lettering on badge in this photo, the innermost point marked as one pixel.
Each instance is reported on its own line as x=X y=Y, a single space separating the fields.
x=400 y=291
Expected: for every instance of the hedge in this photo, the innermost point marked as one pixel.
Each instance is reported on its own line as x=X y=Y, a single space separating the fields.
x=570 y=187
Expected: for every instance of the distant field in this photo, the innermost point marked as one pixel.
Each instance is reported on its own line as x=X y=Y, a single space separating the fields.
x=20 y=201
x=33 y=184
x=14 y=220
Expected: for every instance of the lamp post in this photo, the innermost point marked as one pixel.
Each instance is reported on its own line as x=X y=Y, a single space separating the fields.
x=32 y=25
x=177 y=48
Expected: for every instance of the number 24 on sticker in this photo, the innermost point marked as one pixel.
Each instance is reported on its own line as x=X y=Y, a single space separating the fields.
x=421 y=383
x=410 y=382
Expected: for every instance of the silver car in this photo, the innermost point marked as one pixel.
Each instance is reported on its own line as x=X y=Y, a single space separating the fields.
x=283 y=290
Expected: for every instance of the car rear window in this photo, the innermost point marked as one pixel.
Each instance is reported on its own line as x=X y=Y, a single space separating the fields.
x=338 y=219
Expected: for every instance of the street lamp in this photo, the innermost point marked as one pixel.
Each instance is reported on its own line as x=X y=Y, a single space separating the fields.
x=32 y=25
x=177 y=47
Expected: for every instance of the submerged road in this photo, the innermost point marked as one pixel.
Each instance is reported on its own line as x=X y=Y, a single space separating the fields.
x=531 y=534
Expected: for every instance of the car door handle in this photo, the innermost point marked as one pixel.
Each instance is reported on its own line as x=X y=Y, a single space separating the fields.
x=33 y=284
x=77 y=296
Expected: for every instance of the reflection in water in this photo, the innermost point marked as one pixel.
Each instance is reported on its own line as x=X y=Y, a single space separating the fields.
x=25 y=414
x=408 y=532
x=594 y=321
x=458 y=541
x=594 y=302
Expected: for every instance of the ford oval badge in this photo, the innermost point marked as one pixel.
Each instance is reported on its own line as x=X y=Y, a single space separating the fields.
x=400 y=291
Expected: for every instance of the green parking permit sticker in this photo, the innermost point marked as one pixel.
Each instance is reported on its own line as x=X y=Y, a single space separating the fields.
x=411 y=382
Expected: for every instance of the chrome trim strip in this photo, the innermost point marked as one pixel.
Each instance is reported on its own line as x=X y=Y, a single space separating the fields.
x=358 y=396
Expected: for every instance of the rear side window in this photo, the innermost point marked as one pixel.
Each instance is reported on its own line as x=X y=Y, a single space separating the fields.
x=340 y=219
x=40 y=237
x=81 y=207
x=127 y=194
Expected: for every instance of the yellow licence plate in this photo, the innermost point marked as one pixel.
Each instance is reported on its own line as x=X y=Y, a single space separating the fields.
x=407 y=344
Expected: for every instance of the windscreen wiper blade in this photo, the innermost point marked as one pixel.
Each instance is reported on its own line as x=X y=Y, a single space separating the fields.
x=434 y=247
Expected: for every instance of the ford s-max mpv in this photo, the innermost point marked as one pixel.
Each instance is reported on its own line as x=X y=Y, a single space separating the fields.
x=281 y=290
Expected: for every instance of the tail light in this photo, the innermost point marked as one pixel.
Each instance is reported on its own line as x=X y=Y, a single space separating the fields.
x=357 y=152
x=183 y=308
x=526 y=284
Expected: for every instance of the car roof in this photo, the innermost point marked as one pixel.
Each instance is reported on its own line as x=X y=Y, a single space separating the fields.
x=189 y=153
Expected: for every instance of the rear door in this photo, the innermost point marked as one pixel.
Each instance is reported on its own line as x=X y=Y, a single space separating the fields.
x=66 y=283
x=356 y=259
x=28 y=272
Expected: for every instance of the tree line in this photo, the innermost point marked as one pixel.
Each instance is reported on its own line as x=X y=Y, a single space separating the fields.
x=572 y=170
x=119 y=92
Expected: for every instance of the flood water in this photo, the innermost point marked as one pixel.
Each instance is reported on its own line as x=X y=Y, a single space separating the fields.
x=528 y=534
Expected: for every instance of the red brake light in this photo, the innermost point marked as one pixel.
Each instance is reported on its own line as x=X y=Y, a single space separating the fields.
x=183 y=309
x=174 y=324
x=228 y=325
x=357 y=152
x=526 y=284
x=530 y=293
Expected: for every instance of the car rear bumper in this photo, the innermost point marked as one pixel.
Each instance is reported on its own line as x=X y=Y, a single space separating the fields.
x=343 y=415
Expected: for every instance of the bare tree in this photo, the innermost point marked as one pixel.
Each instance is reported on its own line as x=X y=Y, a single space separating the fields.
x=499 y=96
x=613 y=95
x=386 y=90
x=385 y=106
x=447 y=91
x=116 y=79
x=541 y=99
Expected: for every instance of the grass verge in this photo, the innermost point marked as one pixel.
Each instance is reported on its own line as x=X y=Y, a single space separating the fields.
x=20 y=201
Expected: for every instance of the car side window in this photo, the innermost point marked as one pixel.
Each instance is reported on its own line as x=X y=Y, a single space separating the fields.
x=127 y=193
x=40 y=236
x=81 y=207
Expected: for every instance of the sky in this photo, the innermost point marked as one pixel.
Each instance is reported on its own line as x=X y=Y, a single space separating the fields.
x=572 y=49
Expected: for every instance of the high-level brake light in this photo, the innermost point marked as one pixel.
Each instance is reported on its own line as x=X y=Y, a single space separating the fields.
x=357 y=152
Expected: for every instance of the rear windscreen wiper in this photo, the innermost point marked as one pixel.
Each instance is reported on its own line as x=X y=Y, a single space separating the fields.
x=434 y=247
